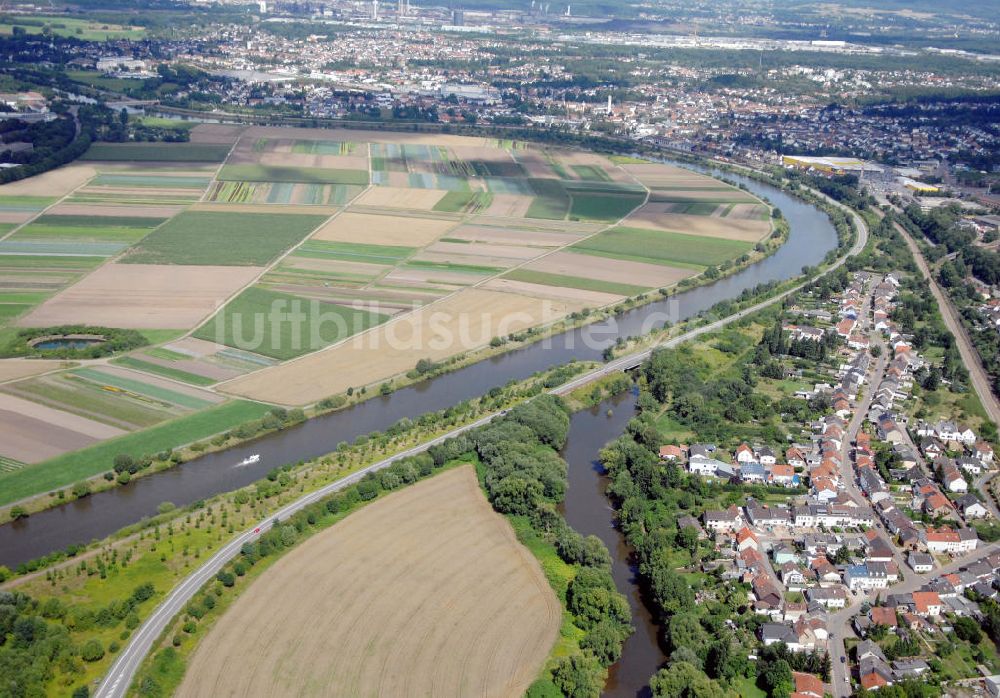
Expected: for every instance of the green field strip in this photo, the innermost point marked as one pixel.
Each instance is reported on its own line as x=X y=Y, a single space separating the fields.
x=29 y=298
x=136 y=386
x=78 y=248
x=62 y=263
x=26 y=203
x=130 y=200
x=551 y=201
x=153 y=181
x=604 y=207
x=167 y=354
x=281 y=276
x=721 y=198
x=451 y=266
x=308 y=175
x=89 y=400
x=324 y=147
x=9 y=465
x=245 y=358
x=357 y=252
x=165 y=371
x=157 y=152
x=464 y=202
x=661 y=247
x=699 y=209
x=53 y=220
x=93 y=460
x=635 y=258
x=579 y=282
x=6 y=228
x=620 y=188
x=590 y=173
x=80 y=233
x=237 y=239
x=317 y=323
x=9 y=311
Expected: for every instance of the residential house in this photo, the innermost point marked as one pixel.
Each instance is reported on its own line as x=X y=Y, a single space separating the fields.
x=983 y=451
x=883 y=615
x=971 y=507
x=920 y=562
x=927 y=604
x=865 y=577
x=949 y=540
x=744 y=454
x=730 y=519
x=673 y=453
x=752 y=473
x=807 y=685
x=782 y=475
x=830 y=597
x=745 y=538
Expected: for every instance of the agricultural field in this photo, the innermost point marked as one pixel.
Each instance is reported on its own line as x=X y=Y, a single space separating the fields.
x=236 y=238
x=83 y=29
x=306 y=175
x=29 y=279
x=396 y=247
x=255 y=321
x=79 y=235
x=143 y=296
x=75 y=465
x=49 y=415
x=459 y=322
x=661 y=247
x=452 y=604
x=157 y=152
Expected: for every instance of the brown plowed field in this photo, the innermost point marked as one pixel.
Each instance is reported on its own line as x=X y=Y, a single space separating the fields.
x=424 y=593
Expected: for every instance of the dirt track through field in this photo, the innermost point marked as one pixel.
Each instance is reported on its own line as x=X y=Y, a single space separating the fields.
x=424 y=593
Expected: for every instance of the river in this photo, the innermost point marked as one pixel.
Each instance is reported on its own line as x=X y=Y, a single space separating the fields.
x=99 y=515
x=588 y=510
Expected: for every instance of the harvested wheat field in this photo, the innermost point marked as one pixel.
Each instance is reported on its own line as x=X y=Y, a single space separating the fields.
x=590 y=299
x=58 y=182
x=375 y=229
x=426 y=592
x=143 y=296
x=401 y=197
x=461 y=322
x=12 y=369
x=113 y=211
x=509 y=206
x=619 y=271
x=512 y=236
x=216 y=133
x=349 y=135
x=654 y=216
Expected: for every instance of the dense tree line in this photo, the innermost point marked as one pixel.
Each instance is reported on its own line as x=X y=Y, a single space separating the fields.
x=35 y=637
x=525 y=478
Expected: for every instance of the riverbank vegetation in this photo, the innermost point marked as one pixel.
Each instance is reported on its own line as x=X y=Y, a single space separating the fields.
x=524 y=478
x=163 y=549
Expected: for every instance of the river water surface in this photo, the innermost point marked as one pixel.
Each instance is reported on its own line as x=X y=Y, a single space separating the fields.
x=588 y=510
x=99 y=515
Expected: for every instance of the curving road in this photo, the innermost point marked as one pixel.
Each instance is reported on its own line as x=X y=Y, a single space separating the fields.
x=121 y=674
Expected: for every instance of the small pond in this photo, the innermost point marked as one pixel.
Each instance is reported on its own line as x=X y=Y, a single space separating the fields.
x=53 y=343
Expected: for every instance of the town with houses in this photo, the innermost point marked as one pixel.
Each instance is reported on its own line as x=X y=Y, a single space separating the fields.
x=860 y=549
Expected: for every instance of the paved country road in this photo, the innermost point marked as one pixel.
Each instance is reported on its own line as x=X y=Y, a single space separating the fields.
x=121 y=674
